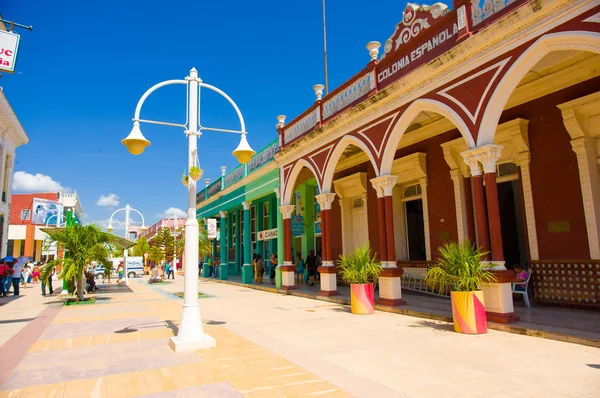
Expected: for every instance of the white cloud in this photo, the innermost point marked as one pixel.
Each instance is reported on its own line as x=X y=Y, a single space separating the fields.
x=171 y=211
x=110 y=200
x=25 y=182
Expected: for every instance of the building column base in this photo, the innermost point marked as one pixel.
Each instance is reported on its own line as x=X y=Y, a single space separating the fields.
x=328 y=281
x=247 y=274
x=287 y=277
x=223 y=272
x=498 y=298
x=502 y=318
x=390 y=287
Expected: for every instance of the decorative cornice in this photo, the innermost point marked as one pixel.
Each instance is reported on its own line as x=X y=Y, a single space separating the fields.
x=487 y=155
x=223 y=214
x=246 y=204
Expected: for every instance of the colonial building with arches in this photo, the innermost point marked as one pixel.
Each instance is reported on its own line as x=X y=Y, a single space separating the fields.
x=482 y=123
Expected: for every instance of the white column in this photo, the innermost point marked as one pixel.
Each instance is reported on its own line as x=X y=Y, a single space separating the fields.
x=125 y=252
x=462 y=222
x=423 y=184
x=191 y=336
x=524 y=159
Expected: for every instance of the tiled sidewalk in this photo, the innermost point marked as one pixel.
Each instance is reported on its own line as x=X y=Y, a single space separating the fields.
x=119 y=348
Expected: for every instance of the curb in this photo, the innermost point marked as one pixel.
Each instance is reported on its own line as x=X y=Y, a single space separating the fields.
x=566 y=338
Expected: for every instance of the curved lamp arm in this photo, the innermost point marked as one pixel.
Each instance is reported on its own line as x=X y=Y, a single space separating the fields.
x=237 y=110
x=143 y=221
x=138 y=108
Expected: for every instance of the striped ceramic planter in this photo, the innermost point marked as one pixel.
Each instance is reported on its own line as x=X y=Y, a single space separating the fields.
x=362 y=298
x=468 y=312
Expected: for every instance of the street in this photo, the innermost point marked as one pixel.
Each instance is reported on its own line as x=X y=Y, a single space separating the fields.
x=273 y=345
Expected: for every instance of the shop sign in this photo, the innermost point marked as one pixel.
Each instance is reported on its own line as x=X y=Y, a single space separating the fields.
x=416 y=52
x=9 y=46
x=297 y=226
x=211 y=226
x=268 y=234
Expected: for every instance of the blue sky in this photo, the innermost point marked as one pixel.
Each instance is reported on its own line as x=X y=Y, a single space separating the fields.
x=83 y=68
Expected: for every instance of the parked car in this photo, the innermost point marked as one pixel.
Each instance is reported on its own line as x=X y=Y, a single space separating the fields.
x=135 y=265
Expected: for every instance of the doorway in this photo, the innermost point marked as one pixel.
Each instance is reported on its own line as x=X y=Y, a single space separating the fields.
x=415 y=230
x=511 y=221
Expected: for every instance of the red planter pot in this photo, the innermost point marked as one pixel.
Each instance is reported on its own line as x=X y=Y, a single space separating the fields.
x=468 y=312
x=362 y=298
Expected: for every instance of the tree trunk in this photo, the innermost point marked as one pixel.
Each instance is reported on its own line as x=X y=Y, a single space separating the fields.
x=81 y=286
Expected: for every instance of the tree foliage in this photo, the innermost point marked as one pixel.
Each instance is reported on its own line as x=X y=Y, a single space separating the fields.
x=82 y=245
x=141 y=246
x=164 y=241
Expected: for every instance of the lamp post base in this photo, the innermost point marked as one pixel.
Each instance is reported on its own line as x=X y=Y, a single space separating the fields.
x=205 y=341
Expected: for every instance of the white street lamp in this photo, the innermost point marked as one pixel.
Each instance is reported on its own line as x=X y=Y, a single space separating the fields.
x=127 y=209
x=191 y=336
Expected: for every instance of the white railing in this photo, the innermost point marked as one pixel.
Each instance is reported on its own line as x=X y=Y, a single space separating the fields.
x=483 y=9
x=350 y=94
x=302 y=126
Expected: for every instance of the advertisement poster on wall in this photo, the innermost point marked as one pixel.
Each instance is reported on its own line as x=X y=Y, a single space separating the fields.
x=46 y=212
x=297 y=226
x=211 y=225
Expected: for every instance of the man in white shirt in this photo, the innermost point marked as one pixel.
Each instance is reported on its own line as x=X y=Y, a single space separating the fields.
x=16 y=278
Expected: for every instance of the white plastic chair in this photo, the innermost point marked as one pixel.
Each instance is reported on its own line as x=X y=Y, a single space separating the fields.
x=525 y=283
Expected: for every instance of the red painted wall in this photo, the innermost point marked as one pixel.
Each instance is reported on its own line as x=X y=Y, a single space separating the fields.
x=22 y=201
x=336 y=229
x=554 y=174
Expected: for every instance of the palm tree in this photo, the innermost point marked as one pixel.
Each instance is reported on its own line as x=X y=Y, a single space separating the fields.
x=82 y=245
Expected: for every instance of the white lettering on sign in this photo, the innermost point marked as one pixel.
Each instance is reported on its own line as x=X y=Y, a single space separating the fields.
x=268 y=234
x=417 y=53
x=9 y=45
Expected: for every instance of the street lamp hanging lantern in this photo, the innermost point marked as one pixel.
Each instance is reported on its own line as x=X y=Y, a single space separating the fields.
x=135 y=141
x=243 y=152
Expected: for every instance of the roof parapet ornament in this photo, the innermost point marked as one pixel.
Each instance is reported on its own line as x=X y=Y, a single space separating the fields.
x=414 y=19
x=373 y=47
x=280 y=121
x=318 y=91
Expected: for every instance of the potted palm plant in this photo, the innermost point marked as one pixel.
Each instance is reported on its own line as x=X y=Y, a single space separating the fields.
x=459 y=269
x=360 y=269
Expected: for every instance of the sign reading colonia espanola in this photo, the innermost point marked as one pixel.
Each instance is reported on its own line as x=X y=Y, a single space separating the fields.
x=268 y=234
x=9 y=46
x=424 y=33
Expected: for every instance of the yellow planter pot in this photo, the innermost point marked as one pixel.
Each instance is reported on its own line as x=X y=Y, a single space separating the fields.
x=468 y=312
x=362 y=298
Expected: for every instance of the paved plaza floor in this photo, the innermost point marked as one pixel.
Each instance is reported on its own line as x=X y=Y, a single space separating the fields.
x=268 y=345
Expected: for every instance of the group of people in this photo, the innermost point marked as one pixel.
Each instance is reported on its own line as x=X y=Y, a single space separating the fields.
x=15 y=274
x=213 y=264
x=306 y=271
x=260 y=268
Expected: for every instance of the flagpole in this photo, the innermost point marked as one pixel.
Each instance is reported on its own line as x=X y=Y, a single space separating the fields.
x=325 y=49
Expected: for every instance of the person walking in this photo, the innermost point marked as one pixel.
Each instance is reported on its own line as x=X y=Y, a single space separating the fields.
x=35 y=275
x=217 y=266
x=120 y=272
x=171 y=272
x=16 y=278
x=299 y=269
x=5 y=272
x=311 y=265
x=273 y=260
x=48 y=283
x=8 y=280
x=25 y=275
x=260 y=269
